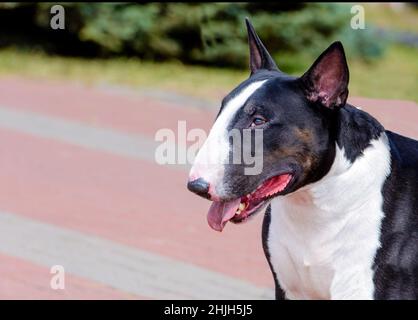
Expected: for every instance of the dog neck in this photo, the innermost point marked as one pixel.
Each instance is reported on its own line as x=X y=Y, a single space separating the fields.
x=360 y=166
x=348 y=185
x=327 y=232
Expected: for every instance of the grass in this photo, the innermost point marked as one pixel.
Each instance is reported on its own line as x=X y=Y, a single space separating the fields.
x=197 y=81
x=402 y=19
x=393 y=76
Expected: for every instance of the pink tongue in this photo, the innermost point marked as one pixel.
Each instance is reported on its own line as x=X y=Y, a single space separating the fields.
x=221 y=212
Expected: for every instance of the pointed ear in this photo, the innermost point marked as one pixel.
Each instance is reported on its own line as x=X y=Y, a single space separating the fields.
x=259 y=56
x=326 y=81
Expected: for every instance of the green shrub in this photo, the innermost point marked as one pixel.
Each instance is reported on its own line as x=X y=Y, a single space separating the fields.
x=213 y=33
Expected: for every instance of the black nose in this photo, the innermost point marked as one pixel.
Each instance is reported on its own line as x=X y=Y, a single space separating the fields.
x=200 y=187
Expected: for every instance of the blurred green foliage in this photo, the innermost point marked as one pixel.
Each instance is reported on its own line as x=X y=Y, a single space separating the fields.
x=211 y=33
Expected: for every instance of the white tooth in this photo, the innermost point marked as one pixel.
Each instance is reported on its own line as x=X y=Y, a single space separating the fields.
x=241 y=206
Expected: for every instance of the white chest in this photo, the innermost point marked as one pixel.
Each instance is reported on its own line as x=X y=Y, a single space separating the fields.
x=323 y=239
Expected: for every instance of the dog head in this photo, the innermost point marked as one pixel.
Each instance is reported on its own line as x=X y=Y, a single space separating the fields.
x=296 y=119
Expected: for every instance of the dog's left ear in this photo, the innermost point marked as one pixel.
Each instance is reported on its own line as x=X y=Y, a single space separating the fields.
x=326 y=81
x=259 y=56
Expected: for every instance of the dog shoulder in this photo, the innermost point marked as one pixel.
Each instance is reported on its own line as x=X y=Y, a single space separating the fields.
x=397 y=259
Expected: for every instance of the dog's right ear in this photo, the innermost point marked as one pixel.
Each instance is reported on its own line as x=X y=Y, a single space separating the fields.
x=326 y=81
x=259 y=56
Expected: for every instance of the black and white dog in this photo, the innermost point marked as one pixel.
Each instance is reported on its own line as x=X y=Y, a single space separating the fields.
x=340 y=193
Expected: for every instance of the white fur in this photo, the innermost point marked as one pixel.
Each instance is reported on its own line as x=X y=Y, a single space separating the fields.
x=323 y=238
x=210 y=160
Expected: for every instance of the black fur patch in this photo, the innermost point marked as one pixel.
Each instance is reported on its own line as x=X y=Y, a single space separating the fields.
x=355 y=129
x=396 y=262
x=279 y=293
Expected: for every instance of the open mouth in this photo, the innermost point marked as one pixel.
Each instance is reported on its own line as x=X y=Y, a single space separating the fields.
x=240 y=209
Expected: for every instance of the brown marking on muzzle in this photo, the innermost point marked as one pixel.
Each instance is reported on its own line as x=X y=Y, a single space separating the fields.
x=304 y=135
x=300 y=149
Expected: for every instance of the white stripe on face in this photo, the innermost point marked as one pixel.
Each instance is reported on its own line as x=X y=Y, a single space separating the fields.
x=210 y=160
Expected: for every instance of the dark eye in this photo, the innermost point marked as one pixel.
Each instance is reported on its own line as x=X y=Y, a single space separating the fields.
x=258 y=121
